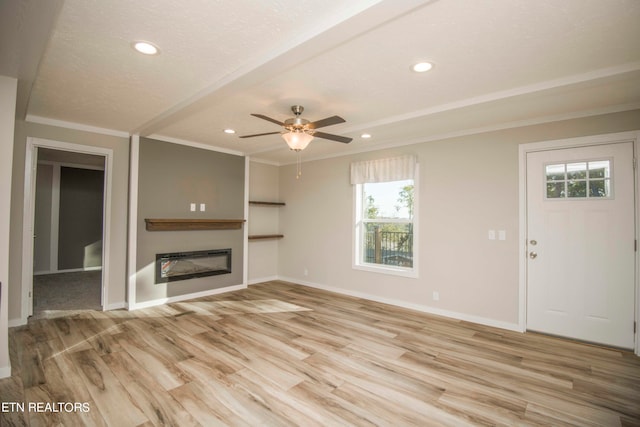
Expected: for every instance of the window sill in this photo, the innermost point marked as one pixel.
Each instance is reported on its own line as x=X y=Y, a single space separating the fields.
x=387 y=269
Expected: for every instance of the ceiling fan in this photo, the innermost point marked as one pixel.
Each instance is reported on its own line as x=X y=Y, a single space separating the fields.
x=299 y=132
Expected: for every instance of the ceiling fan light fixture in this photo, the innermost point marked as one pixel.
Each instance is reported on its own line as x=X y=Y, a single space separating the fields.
x=297 y=140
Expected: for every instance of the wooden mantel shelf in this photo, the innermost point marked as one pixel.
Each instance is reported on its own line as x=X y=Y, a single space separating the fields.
x=192 y=224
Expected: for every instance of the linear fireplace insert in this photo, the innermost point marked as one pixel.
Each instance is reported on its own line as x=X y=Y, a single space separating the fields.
x=176 y=266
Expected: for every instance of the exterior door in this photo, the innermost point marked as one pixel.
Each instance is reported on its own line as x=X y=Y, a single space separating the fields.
x=581 y=243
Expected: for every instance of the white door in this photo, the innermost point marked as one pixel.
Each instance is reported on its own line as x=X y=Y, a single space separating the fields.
x=581 y=243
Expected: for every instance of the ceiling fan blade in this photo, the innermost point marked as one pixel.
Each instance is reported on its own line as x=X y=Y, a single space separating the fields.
x=269 y=119
x=331 y=137
x=334 y=120
x=258 y=134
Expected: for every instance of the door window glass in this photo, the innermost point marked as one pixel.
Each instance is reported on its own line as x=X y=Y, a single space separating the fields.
x=578 y=180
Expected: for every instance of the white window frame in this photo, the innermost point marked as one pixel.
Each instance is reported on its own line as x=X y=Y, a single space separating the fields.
x=358 y=233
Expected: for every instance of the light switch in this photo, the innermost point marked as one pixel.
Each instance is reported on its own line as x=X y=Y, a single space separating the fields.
x=492 y=234
x=502 y=235
x=202 y=207
x=193 y=207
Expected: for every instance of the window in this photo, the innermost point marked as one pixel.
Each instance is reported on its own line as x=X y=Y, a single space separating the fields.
x=385 y=212
x=579 y=180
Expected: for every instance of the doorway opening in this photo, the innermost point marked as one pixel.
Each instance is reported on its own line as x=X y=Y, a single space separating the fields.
x=67 y=243
x=67 y=188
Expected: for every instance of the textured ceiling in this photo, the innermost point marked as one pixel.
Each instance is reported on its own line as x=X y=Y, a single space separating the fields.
x=497 y=63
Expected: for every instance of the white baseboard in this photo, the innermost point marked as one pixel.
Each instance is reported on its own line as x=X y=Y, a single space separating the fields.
x=261 y=280
x=17 y=322
x=116 y=306
x=156 y=302
x=5 y=371
x=418 y=307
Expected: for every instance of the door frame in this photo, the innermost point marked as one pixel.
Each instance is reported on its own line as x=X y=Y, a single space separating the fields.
x=31 y=159
x=523 y=150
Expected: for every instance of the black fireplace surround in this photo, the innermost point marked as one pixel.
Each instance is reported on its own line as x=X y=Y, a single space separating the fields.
x=171 y=267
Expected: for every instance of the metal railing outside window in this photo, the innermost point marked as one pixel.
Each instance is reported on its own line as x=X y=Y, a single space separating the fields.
x=388 y=247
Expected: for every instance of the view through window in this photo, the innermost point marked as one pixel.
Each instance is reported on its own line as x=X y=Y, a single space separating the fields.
x=386 y=223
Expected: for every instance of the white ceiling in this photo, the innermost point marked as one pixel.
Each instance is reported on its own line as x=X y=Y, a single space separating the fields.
x=497 y=64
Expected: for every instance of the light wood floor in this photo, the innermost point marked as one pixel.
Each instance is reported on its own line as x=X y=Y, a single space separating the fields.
x=279 y=354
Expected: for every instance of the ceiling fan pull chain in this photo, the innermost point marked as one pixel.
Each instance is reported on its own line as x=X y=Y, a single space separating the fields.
x=299 y=165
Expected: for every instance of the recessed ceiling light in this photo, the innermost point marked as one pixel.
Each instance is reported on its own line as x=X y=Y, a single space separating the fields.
x=421 y=67
x=230 y=131
x=146 y=48
x=365 y=136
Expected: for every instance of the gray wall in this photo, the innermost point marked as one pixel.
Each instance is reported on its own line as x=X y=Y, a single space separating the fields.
x=69 y=192
x=42 y=220
x=80 y=226
x=170 y=178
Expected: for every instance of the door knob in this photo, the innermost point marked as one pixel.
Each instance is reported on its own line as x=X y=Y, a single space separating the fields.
x=533 y=255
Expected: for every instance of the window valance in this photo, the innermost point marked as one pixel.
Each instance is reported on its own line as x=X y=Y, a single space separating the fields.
x=383 y=170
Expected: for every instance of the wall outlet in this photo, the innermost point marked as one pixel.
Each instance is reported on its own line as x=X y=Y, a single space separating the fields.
x=193 y=207
x=306 y=272
x=436 y=296
x=202 y=207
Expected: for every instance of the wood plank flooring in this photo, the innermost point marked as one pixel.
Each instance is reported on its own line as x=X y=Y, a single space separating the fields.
x=279 y=354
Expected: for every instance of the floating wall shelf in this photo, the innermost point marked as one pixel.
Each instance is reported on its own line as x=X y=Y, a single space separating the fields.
x=192 y=224
x=266 y=236
x=259 y=203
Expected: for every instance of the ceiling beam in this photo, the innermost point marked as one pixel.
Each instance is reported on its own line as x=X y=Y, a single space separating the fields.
x=25 y=29
x=358 y=20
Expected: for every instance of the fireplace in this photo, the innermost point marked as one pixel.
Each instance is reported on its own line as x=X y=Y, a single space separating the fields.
x=176 y=266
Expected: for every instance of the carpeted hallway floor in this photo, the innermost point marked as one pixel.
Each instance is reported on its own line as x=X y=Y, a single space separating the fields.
x=56 y=294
